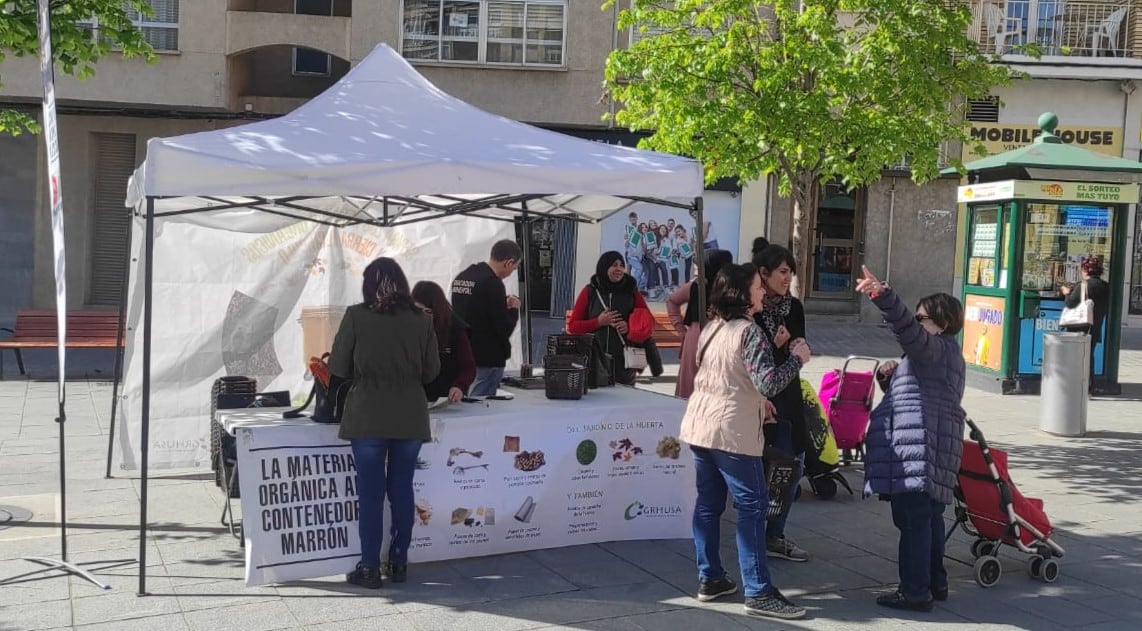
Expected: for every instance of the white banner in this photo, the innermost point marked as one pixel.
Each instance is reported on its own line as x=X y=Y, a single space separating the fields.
x=51 y=139
x=536 y=475
x=259 y=303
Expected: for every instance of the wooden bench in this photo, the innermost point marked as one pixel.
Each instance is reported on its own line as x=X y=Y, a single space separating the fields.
x=37 y=329
x=664 y=334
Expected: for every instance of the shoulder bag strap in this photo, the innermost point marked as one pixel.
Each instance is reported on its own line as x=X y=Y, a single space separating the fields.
x=702 y=351
x=607 y=307
x=1082 y=297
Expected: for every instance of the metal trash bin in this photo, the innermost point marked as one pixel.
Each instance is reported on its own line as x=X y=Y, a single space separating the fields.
x=1066 y=377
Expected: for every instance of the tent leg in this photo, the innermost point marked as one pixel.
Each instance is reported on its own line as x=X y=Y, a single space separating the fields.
x=700 y=252
x=525 y=293
x=118 y=376
x=145 y=416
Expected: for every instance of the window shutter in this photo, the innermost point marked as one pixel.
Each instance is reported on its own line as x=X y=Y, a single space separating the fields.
x=111 y=220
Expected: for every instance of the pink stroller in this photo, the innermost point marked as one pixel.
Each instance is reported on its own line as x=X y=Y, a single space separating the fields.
x=847 y=397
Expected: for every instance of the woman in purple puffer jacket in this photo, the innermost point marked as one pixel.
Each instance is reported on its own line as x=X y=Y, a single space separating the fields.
x=915 y=438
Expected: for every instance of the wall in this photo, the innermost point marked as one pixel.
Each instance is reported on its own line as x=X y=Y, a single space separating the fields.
x=917 y=256
x=191 y=78
x=77 y=164
x=19 y=161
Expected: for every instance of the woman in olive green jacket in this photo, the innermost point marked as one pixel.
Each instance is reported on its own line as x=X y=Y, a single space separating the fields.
x=388 y=348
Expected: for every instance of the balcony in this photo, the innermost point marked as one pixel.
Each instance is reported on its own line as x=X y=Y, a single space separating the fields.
x=249 y=30
x=1090 y=33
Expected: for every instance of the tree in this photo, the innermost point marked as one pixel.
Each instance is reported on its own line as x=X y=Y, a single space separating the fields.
x=807 y=90
x=76 y=45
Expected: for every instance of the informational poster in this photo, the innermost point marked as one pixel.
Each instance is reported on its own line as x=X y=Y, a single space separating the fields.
x=528 y=479
x=659 y=242
x=983 y=331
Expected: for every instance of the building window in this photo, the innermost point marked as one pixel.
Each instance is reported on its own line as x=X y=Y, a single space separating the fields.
x=495 y=32
x=313 y=7
x=159 y=30
x=311 y=63
x=110 y=221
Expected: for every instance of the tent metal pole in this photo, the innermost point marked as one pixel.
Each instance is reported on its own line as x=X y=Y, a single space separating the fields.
x=145 y=416
x=700 y=255
x=118 y=376
x=525 y=293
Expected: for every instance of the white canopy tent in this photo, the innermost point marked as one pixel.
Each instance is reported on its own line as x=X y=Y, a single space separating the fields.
x=383 y=147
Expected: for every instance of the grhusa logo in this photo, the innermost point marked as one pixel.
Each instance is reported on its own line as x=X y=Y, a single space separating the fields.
x=1052 y=190
x=637 y=509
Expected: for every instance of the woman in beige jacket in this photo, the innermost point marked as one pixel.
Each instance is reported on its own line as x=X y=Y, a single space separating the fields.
x=723 y=425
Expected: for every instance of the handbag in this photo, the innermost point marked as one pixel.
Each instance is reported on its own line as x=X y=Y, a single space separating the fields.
x=1080 y=315
x=328 y=394
x=634 y=358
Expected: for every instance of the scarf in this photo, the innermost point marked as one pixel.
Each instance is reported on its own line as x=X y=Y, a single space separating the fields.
x=602 y=281
x=775 y=309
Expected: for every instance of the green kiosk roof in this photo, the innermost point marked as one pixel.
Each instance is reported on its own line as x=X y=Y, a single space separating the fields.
x=1049 y=158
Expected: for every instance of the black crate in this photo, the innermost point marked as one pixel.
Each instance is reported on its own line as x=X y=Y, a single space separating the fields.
x=224 y=388
x=565 y=376
x=563 y=344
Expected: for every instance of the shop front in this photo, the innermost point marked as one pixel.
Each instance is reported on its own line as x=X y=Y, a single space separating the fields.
x=1027 y=238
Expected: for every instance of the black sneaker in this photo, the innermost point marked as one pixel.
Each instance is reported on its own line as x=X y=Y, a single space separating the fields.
x=715 y=588
x=773 y=605
x=398 y=573
x=367 y=577
x=896 y=600
x=940 y=593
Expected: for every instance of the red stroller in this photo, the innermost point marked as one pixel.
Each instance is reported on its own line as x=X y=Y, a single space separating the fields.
x=1000 y=515
x=847 y=398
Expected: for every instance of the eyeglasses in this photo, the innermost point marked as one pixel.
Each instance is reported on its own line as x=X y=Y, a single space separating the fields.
x=921 y=318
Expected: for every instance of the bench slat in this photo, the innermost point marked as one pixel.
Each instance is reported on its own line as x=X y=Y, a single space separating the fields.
x=85 y=329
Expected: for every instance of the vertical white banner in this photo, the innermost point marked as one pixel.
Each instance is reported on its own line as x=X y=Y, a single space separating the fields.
x=51 y=138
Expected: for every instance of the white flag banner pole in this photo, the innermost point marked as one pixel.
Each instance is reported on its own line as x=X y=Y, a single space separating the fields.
x=51 y=140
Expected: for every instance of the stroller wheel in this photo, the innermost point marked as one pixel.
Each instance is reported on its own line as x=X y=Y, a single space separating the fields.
x=1035 y=566
x=983 y=548
x=1050 y=571
x=825 y=488
x=987 y=571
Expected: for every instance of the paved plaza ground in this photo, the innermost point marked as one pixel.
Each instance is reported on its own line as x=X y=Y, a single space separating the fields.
x=195 y=567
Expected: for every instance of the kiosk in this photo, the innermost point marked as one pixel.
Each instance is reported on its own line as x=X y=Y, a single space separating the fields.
x=1034 y=215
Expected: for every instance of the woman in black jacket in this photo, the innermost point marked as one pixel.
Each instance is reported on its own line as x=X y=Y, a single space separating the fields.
x=1098 y=291
x=782 y=319
x=457 y=363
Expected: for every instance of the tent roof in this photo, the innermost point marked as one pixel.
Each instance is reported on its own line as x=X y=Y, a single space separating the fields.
x=384 y=137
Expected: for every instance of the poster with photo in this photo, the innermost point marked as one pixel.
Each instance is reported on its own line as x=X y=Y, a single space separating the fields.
x=659 y=242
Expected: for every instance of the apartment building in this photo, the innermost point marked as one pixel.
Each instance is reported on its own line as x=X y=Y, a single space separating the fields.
x=225 y=62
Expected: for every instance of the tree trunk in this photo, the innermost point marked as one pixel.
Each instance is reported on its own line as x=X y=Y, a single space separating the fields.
x=804 y=193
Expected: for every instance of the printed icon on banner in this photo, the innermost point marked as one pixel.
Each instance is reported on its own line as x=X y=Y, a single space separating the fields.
x=526 y=510
x=624 y=450
x=457 y=452
x=423 y=512
x=464 y=470
x=474 y=518
x=586 y=452
x=530 y=460
x=668 y=447
x=637 y=509
x=511 y=444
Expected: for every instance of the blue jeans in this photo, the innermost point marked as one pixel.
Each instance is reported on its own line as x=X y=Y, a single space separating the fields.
x=385 y=467
x=775 y=529
x=743 y=477
x=487 y=380
x=920 y=520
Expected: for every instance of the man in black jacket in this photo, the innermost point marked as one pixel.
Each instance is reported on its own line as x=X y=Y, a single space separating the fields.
x=479 y=299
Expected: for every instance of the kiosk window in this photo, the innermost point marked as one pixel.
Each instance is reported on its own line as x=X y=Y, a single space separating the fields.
x=983 y=248
x=1059 y=237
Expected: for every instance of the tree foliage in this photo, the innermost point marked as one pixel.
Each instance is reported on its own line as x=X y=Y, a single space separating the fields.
x=805 y=90
x=75 y=45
